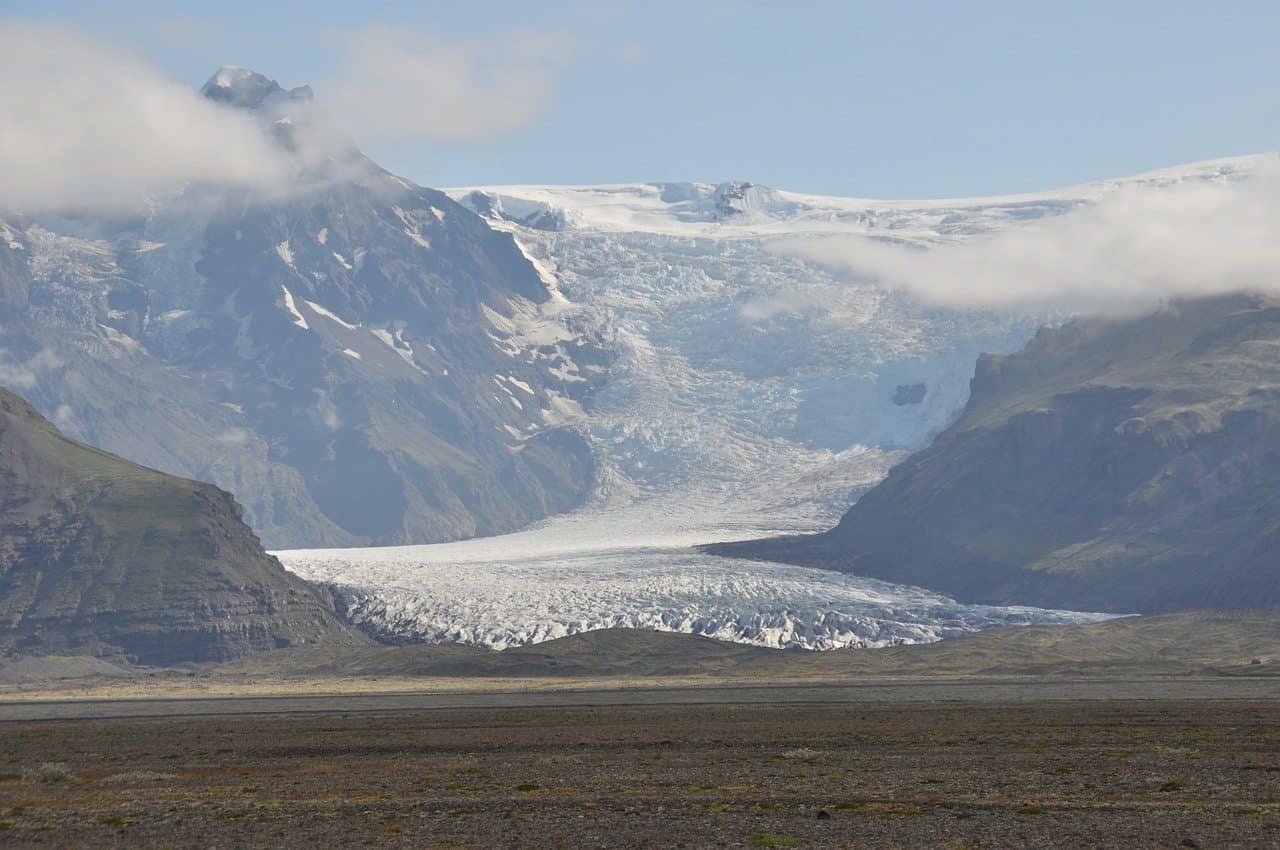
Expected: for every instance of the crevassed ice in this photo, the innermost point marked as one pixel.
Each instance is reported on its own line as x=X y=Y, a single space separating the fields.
x=634 y=566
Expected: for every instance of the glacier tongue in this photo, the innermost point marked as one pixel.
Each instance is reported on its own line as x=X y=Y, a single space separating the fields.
x=512 y=603
x=634 y=567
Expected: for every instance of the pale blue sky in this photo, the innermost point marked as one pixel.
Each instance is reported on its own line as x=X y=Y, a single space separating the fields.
x=873 y=99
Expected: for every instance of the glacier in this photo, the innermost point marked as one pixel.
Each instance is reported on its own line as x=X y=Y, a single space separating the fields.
x=750 y=393
x=631 y=568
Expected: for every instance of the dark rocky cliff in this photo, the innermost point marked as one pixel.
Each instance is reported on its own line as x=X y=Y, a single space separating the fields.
x=1128 y=466
x=101 y=556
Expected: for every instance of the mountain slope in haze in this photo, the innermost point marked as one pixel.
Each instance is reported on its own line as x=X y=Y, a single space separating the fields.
x=360 y=360
x=101 y=556
x=1112 y=465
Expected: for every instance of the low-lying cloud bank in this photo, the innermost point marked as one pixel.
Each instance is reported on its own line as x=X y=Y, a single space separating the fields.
x=1131 y=250
x=89 y=128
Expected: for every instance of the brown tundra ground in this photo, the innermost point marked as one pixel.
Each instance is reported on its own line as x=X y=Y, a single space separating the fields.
x=1148 y=773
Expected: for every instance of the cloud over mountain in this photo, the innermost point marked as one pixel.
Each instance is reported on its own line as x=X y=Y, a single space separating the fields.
x=1132 y=248
x=91 y=128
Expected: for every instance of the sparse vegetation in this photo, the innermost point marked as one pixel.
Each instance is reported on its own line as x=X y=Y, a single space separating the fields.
x=560 y=758
x=806 y=754
x=49 y=773
x=131 y=776
x=466 y=779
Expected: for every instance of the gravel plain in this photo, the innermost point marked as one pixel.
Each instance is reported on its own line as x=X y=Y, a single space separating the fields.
x=1079 y=773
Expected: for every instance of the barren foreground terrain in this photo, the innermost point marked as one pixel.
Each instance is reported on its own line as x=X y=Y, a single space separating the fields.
x=1146 y=773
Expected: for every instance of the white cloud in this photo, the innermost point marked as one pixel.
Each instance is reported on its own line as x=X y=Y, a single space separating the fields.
x=397 y=85
x=326 y=412
x=26 y=374
x=234 y=437
x=1129 y=251
x=67 y=421
x=89 y=127
x=765 y=307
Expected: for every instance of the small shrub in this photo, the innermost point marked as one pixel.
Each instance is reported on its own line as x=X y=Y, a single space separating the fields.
x=139 y=776
x=764 y=839
x=560 y=759
x=49 y=772
x=1030 y=810
x=806 y=754
x=1172 y=786
x=528 y=786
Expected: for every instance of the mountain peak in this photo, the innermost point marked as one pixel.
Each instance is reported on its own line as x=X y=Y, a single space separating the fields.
x=248 y=89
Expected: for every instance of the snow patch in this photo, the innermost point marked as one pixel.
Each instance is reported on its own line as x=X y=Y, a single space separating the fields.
x=563 y=411
x=298 y=318
x=397 y=343
x=329 y=314
x=518 y=383
x=543 y=273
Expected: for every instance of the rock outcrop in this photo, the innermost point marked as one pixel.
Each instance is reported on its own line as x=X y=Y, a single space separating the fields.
x=1112 y=465
x=99 y=556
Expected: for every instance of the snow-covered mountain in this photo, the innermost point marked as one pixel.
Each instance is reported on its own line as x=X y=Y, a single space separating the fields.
x=737 y=210
x=749 y=393
x=358 y=359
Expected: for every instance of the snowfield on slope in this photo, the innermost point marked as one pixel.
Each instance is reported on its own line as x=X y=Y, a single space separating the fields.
x=750 y=393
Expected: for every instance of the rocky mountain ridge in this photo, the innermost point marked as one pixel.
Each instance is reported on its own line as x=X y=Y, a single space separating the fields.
x=1112 y=465
x=362 y=360
x=99 y=556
